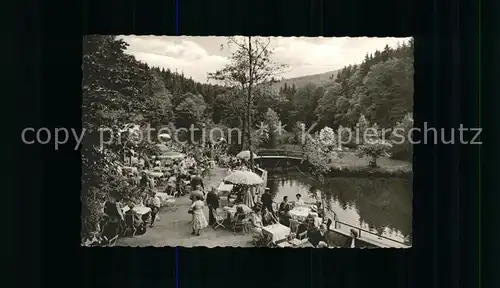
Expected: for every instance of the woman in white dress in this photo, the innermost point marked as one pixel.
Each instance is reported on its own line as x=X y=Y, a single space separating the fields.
x=199 y=221
x=248 y=197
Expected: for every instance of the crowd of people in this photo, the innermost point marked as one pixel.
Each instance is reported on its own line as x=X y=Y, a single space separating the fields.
x=119 y=216
x=185 y=176
x=265 y=215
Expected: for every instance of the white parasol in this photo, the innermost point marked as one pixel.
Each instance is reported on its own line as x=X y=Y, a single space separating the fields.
x=243 y=178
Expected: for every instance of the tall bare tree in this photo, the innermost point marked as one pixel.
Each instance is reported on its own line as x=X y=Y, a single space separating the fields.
x=250 y=70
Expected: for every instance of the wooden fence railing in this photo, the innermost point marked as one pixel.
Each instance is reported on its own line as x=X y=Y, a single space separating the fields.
x=338 y=224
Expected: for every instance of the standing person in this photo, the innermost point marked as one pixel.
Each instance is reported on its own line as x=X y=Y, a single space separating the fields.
x=154 y=204
x=267 y=200
x=196 y=181
x=144 y=180
x=194 y=194
x=213 y=203
x=178 y=186
x=199 y=221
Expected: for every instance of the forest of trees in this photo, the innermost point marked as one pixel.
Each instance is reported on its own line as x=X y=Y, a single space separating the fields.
x=118 y=90
x=381 y=88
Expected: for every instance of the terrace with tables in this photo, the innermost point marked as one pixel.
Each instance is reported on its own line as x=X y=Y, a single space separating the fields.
x=173 y=226
x=232 y=226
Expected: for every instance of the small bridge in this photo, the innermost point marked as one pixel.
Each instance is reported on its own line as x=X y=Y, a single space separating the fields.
x=279 y=154
x=279 y=158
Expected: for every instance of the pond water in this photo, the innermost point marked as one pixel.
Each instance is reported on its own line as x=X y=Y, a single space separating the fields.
x=382 y=205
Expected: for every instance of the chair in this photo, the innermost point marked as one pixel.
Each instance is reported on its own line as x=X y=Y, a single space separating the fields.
x=258 y=205
x=257 y=240
x=302 y=236
x=298 y=239
x=170 y=204
x=284 y=244
x=239 y=224
x=223 y=201
x=111 y=242
x=129 y=225
x=219 y=219
x=294 y=225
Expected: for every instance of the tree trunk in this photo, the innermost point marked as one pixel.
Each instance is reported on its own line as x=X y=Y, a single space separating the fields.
x=243 y=143
x=249 y=104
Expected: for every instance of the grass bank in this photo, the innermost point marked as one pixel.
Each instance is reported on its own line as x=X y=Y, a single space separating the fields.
x=350 y=165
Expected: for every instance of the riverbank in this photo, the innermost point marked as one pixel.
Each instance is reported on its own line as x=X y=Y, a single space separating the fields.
x=348 y=164
x=173 y=228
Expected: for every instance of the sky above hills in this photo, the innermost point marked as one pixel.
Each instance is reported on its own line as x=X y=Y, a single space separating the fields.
x=197 y=56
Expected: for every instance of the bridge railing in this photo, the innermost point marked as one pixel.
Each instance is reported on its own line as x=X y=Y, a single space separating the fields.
x=278 y=152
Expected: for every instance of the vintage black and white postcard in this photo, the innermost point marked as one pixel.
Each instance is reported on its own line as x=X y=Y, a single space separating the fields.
x=282 y=142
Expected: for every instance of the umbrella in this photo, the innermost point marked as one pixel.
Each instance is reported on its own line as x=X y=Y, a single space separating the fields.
x=162 y=147
x=171 y=155
x=243 y=178
x=164 y=135
x=245 y=155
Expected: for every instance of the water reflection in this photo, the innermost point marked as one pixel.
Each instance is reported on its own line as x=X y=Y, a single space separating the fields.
x=382 y=205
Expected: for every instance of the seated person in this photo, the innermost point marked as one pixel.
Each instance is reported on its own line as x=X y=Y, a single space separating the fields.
x=313 y=221
x=256 y=225
x=284 y=205
x=268 y=217
x=317 y=236
x=299 y=202
x=171 y=185
x=302 y=227
x=240 y=214
x=285 y=216
x=136 y=216
x=112 y=209
x=320 y=210
x=144 y=182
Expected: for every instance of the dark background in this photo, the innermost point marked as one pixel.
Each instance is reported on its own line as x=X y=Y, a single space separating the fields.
x=446 y=187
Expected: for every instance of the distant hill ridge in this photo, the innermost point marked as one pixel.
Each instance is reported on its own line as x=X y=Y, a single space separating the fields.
x=302 y=81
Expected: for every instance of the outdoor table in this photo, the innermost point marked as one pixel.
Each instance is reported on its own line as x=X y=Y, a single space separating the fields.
x=276 y=232
x=141 y=210
x=232 y=210
x=225 y=187
x=300 y=213
x=163 y=196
